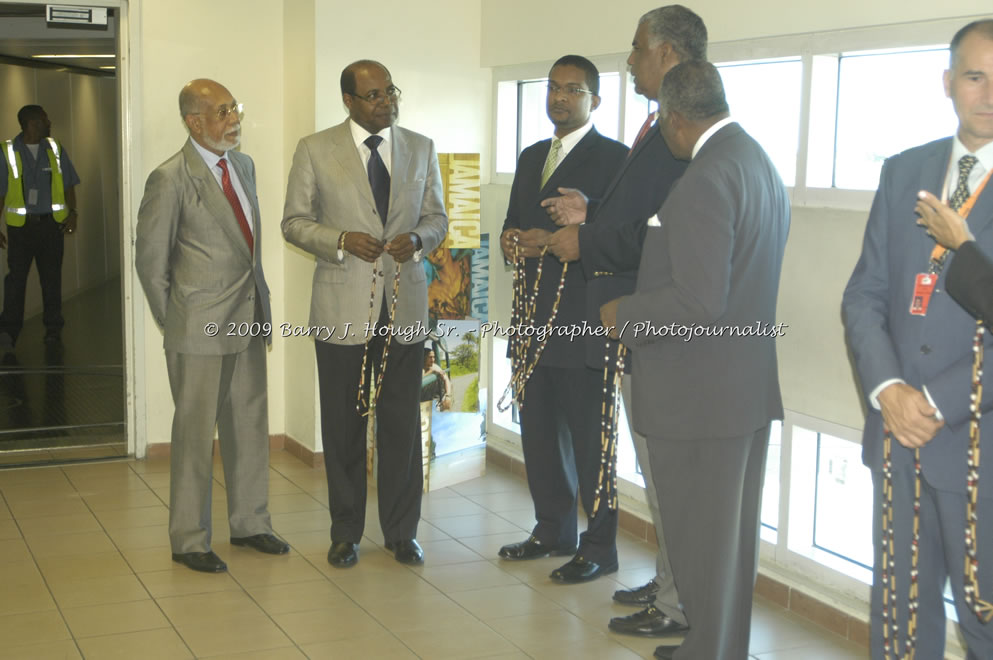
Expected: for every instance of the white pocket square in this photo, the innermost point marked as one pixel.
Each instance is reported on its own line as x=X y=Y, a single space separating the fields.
x=654 y=221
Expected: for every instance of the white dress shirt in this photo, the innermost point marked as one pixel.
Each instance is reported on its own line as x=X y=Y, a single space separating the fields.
x=212 y=160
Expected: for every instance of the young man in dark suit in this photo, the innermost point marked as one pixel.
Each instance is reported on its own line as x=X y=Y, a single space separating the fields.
x=560 y=411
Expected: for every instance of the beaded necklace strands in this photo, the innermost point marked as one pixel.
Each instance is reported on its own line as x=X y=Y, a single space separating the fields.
x=609 y=416
x=374 y=394
x=523 y=314
x=891 y=623
x=981 y=608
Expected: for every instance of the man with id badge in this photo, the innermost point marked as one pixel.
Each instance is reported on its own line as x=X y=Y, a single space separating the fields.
x=38 y=201
x=915 y=350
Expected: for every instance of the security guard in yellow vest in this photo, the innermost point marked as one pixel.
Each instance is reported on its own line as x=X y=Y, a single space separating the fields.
x=38 y=204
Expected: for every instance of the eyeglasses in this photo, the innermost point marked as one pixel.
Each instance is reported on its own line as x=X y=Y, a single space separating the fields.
x=572 y=90
x=376 y=97
x=223 y=112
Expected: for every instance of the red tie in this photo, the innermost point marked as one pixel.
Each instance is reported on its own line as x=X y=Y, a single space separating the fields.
x=644 y=130
x=235 y=203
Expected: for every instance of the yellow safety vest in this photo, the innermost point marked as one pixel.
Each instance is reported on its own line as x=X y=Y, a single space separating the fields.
x=16 y=209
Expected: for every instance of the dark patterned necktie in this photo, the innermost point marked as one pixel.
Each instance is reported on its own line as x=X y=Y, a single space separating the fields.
x=232 y=196
x=379 y=177
x=961 y=192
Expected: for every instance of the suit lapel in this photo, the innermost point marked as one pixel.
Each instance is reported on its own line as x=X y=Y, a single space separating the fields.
x=347 y=154
x=212 y=196
x=574 y=158
x=400 y=156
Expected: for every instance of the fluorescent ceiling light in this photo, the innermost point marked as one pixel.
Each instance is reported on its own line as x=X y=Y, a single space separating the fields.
x=77 y=56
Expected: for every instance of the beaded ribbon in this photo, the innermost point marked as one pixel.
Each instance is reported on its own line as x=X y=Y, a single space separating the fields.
x=374 y=394
x=609 y=417
x=891 y=625
x=522 y=315
x=981 y=608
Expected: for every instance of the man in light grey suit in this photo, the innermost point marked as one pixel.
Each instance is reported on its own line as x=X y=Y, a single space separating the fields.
x=199 y=258
x=365 y=198
x=914 y=359
x=705 y=382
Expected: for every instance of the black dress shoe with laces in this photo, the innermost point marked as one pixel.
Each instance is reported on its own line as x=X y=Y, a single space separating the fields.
x=649 y=622
x=266 y=543
x=580 y=569
x=205 y=562
x=665 y=652
x=343 y=554
x=532 y=548
x=406 y=552
x=643 y=595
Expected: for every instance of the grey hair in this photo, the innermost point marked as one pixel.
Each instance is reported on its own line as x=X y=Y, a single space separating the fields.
x=694 y=90
x=679 y=27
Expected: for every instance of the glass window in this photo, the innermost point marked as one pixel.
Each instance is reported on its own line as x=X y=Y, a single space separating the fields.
x=883 y=103
x=764 y=98
x=843 y=501
x=522 y=118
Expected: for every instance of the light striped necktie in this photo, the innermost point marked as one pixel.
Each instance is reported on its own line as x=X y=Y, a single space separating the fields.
x=552 y=161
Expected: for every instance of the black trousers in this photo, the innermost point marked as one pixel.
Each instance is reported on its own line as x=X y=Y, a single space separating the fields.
x=560 y=436
x=40 y=240
x=400 y=475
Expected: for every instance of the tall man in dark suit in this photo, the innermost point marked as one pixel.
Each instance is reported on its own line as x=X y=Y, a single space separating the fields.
x=608 y=247
x=912 y=347
x=198 y=255
x=365 y=197
x=700 y=325
x=561 y=411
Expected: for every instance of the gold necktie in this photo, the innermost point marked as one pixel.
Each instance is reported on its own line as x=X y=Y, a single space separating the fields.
x=552 y=161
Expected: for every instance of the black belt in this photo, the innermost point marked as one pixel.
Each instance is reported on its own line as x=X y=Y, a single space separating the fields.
x=35 y=217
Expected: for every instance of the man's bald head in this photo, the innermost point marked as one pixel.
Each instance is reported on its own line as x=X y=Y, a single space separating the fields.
x=348 y=74
x=211 y=115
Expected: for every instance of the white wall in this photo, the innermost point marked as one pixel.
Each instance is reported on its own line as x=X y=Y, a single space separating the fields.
x=82 y=110
x=519 y=31
x=239 y=43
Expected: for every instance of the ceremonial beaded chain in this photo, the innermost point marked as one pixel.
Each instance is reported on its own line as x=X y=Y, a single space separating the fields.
x=522 y=315
x=982 y=609
x=374 y=394
x=609 y=417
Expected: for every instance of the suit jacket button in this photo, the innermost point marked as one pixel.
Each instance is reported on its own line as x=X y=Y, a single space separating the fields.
x=925 y=349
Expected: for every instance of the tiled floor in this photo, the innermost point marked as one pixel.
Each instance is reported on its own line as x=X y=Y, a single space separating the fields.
x=85 y=571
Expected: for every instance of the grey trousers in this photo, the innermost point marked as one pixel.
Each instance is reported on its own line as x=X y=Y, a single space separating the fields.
x=229 y=392
x=709 y=495
x=667 y=598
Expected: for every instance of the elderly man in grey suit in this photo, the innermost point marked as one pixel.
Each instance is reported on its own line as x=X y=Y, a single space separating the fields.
x=199 y=259
x=701 y=325
x=365 y=198
x=912 y=345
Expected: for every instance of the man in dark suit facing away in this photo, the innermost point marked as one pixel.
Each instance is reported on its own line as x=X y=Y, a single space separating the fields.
x=701 y=326
x=560 y=411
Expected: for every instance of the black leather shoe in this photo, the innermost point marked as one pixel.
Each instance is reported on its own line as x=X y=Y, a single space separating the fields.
x=579 y=569
x=205 y=562
x=650 y=622
x=266 y=543
x=532 y=548
x=643 y=595
x=665 y=652
x=343 y=554
x=406 y=552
